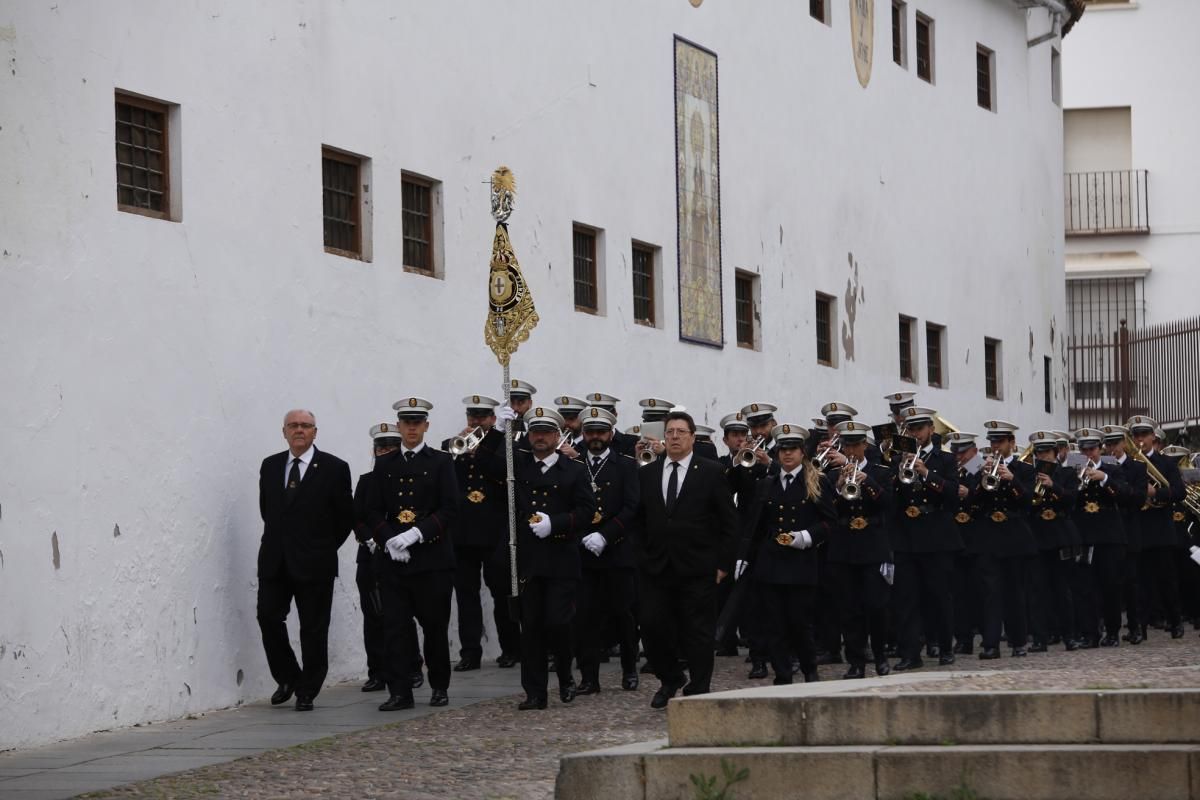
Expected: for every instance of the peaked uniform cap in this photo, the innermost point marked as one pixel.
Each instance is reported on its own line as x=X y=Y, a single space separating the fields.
x=412 y=408
x=567 y=403
x=543 y=417
x=481 y=402
x=789 y=435
x=999 y=429
x=758 y=412
x=838 y=409
x=917 y=414
x=520 y=388
x=385 y=430
x=1088 y=437
x=734 y=422
x=597 y=417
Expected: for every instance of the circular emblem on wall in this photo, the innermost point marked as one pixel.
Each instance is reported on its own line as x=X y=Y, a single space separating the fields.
x=862 y=38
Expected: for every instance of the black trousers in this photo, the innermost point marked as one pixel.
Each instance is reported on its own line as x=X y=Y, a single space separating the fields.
x=1002 y=581
x=547 y=610
x=967 y=613
x=863 y=597
x=1160 y=575
x=789 y=611
x=679 y=619
x=425 y=597
x=1132 y=590
x=1051 y=605
x=371 y=603
x=724 y=589
x=604 y=595
x=1106 y=578
x=470 y=561
x=313 y=602
x=919 y=574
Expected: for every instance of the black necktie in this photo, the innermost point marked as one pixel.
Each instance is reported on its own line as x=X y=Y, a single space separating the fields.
x=673 y=486
x=787 y=481
x=294 y=476
x=544 y=466
x=408 y=455
x=595 y=461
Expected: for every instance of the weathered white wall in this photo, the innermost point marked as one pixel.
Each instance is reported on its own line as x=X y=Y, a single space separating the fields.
x=1144 y=56
x=147 y=364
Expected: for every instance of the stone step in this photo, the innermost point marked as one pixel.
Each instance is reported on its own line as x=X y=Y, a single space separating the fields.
x=652 y=771
x=787 y=716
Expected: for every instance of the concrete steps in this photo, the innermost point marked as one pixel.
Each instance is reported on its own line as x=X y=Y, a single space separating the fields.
x=867 y=739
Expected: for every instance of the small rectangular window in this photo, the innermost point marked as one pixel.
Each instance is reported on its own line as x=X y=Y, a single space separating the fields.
x=991 y=368
x=643 y=285
x=1046 y=382
x=586 y=294
x=143 y=156
x=824 y=329
x=340 y=182
x=819 y=9
x=924 y=48
x=745 y=288
x=900 y=33
x=934 y=353
x=907 y=372
x=985 y=86
x=417 y=213
x=1056 y=77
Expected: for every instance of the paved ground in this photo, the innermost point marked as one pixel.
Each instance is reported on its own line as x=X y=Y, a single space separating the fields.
x=483 y=750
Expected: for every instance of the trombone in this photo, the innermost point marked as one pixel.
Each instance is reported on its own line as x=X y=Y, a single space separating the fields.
x=851 y=488
x=1160 y=482
x=748 y=455
x=468 y=443
x=822 y=457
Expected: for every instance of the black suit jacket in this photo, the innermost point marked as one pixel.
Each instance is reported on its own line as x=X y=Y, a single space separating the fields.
x=1138 y=479
x=923 y=521
x=482 y=519
x=1098 y=513
x=421 y=493
x=1158 y=526
x=774 y=511
x=697 y=537
x=1001 y=515
x=1050 y=514
x=303 y=531
x=861 y=534
x=617 y=493
x=564 y=494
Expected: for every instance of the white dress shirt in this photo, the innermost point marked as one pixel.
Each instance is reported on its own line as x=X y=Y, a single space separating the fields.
x=305 y=459
x=550 y=461
x=684 y=463
x=415 y=450
x=794 y=473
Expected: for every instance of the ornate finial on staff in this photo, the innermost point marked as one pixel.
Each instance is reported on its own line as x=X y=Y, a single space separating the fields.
x=511 y=315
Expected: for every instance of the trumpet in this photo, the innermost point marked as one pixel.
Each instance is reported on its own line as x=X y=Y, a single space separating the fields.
x=468 y=443
x=908 y=469
x=851 y=489
x=566 y=437
x=748 y=455
x=646 y=455
x=822 y=457
x=1084 y=480
x=991 y=476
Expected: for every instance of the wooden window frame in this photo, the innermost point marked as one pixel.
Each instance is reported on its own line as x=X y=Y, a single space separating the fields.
x=905 y=330
x=827 y=301
x=992 y=356
x=929 y=74
x=747 y=279
x=122 y=98
x=935 y=357
x=819 y=10
x=430 y=186
x=651 y=254
x=985 y=73
x=593 y=280
x=900 y=33
x=356 y=206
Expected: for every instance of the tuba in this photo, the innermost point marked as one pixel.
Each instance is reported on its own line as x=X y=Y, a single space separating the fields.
x=468 y=443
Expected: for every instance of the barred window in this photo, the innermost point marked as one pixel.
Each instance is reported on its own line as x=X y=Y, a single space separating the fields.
x=143 y=174
x=899 y=32
x=416 y=198
x=991 y=368
x=743 y=290
x=585 y=270
x=817 y=10
x=906 y=352
x=1047 y=368
x=983 y=77
x=824 y=329
x=924 y=48
x=934 y=353
x=340 y=185
x=643 y=285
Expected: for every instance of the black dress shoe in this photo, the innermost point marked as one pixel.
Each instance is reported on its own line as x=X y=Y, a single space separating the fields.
x=567 y=691
x=932 y=651
x=1137 y=637
x=664 y=694
x=1019 y=652
x=397 y=702
x=782 y=680
x=374 y=685
x=829 y=658
x=946 y=660
x=417 y=679
x=466 y=664
x=588 y=687
x=629 y=681
x=1177 y=632
x=1089 y=642
x=727 y=651
x=1055 y=639
x=758 y=671
x=883 y=668
x=282 y=694
x=1110 y=641
x=532 y=704
x=965 y=648
x=551 y=663
x=811 y=677
x=855 y=671
x=989 y=653
x=439 y=698
x=506 y=661
x=907 y=663
x=1038 y=647
x=304 y=703
x=1071 y=644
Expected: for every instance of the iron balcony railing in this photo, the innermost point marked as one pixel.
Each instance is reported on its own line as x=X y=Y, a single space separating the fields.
x=1107 y=203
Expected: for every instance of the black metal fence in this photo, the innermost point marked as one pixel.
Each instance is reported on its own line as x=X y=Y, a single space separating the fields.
x=1112 y=202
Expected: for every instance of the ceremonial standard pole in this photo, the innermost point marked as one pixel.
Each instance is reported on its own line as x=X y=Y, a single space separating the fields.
x=511 y=317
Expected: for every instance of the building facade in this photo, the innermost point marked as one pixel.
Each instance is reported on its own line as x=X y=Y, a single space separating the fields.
x=218 y=212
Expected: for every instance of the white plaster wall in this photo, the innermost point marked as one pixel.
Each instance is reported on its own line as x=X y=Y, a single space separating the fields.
x=1144 y=56
x=147 y=364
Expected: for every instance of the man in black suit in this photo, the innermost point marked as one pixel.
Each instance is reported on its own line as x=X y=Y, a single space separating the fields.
x=480 y=533
x=410 y=508
x=307 y=511
x=1098 y=516
x=554 y=508
x=609 y=584
x=688 y=531
x=1136 y=476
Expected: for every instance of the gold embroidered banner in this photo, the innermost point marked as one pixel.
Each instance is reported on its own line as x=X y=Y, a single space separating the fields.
x=511 y=315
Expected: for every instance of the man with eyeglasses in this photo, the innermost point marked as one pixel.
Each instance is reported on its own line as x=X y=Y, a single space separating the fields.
x=688 y=533
x=307 y=511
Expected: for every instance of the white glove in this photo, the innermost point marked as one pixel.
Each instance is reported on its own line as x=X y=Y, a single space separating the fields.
x=541 y=528
x=888 y=571
x=403 y=556
x=595 y=542
x=410 y=537
x=393 y=546
x=739 y=568
x=504 y=415
x=801 y=540
x=371 y=546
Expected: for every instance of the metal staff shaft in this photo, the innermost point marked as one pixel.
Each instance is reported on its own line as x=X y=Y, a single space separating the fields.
x=513 y=606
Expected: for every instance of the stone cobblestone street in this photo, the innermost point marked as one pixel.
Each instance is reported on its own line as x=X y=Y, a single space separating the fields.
x=491 y=750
